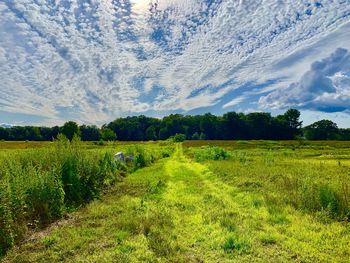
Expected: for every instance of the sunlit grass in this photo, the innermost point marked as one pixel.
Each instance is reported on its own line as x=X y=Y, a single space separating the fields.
x=259 y=205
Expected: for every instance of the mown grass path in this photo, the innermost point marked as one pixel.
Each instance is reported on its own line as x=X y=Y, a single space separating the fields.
x=175 y=211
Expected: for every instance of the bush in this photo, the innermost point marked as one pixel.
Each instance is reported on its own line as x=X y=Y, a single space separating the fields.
x=211 y=153
x=143 y=158
x=178 y=137
x=71 y=180
x=195 y=136
x=330 y=201
x=45 y=196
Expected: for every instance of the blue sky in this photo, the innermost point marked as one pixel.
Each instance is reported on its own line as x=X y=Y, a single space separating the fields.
x=94 y=60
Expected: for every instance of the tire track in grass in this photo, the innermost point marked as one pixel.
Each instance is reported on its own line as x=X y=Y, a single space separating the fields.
x=202 y=211
x=174 y=211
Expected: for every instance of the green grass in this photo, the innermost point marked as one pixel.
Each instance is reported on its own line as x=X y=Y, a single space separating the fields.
x=265 y=202
x=40 y=184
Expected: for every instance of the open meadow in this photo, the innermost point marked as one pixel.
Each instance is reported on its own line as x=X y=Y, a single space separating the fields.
x=196 y=201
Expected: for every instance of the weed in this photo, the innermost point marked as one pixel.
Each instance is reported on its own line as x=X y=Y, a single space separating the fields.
x=37 y=186
x=330 y=201
x=234 y=244
x=268 y=239
x=211 y=153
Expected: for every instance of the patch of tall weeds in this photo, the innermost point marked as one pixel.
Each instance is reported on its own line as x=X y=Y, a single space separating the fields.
x=211 y=153
x=40 y=185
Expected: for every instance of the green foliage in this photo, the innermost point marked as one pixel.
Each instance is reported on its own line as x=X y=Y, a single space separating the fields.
x=178 y=137
x=234 y=244
x=90 y=133
x=211 y=153
x=203 y=136
x=330 y=201
x=144 y=157
x=232 y=125
x=229 y=126
x=101 y=142
x=151 y=134
x=69 y=129
x=310 y=176
x=38 y=186
x=322 y=130
x=252 y=207
x=45 y=195
x=195 y=136
x=108 y=135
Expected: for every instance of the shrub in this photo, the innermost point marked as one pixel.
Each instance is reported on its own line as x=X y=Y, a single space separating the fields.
x=203 y=136
x=330 y=201
x=71 y=180
x=7 y=237
x=140 y=157
x=45 y=196
x=195 y=136
x=211 y=153
x=178 y=137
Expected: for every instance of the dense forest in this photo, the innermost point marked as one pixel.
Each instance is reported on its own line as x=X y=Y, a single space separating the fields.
x=230 y=126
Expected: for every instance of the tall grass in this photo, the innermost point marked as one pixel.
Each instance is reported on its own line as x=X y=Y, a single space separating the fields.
x=312 y=178
x=38 y=186
x=211 y=153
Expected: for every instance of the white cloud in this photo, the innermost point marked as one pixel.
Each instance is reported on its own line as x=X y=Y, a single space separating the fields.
x=234 y=102
x=325 y=86
x=84 y=56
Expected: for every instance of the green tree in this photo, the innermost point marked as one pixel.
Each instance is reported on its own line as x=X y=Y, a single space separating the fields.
x=4 y=133
x=208 y=125
x=293 y=123
x=69 y=129
x=259 y=124
x=163 y=134
x=322 y=130
x=233 y=126
x=178 y=137
x=344 y=134
x=151 y=133
x=195 y=136
x=203 y=136
x=89 y=133
x=108 y=135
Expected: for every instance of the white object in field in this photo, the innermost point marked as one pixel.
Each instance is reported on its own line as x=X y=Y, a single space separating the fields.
x=119 y=156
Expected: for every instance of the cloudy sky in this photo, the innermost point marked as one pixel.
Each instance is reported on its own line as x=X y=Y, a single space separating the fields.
x=95 y=60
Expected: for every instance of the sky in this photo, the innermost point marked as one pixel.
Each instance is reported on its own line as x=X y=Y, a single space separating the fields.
x=92 y=61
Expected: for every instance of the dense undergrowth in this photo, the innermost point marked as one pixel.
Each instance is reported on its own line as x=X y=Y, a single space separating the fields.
x=38 y=186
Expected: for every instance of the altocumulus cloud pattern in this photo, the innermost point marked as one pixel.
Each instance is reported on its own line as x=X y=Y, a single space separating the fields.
x=93 y=60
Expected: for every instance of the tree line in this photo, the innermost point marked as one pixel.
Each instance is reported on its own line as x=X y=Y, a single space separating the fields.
x=229 y=126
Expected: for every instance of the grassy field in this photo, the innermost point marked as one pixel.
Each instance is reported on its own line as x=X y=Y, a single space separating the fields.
x=42 y=182
x=217 y=201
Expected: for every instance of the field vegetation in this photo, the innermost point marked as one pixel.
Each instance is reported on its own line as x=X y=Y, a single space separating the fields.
x=210 y=201
x=40 y=182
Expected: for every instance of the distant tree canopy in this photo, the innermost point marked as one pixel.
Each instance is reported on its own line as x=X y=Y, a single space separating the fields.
x=229 y=126
x=90 y=133
x=69 y=129
x=108 y=135
x=322 y=130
